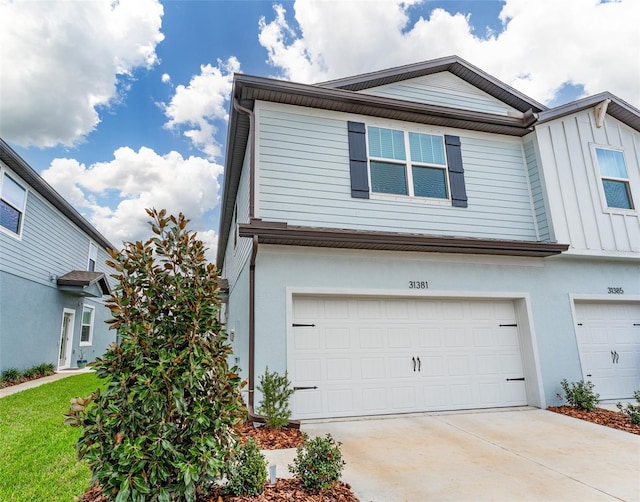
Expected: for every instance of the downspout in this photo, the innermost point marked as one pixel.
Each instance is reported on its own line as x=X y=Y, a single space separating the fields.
x=252 y=263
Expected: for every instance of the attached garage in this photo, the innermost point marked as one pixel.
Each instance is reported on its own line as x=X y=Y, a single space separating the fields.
x=609 y=343
x=353 y=356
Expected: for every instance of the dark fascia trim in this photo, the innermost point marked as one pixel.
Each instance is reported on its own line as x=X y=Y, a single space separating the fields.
x=37 y=183
x=618 y=109
x=250 y=88
x=283 y=234
x=453 y=64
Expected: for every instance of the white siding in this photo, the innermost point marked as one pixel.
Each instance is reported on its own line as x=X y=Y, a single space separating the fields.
x=574 y=188
x=304 y=180
x=50 y=244
x=444 y=89
x=238 y=249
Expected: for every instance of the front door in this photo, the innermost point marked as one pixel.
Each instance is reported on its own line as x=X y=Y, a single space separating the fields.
x=66 y=339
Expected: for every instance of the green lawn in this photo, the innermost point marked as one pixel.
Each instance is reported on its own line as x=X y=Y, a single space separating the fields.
x=38 y=461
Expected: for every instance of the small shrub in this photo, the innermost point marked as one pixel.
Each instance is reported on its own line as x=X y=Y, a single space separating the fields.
x=318 y=463
x=44 y=369
x=276 y=391
x=30 y=373
x=248 y=473
x=632 y=410
x=11 y=375
x=580 y=394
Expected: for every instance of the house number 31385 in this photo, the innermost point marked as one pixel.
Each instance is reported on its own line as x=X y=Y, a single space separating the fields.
x=418 y=285
x=615 y=291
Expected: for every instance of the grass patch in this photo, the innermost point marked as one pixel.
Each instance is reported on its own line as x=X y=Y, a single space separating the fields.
x=38 y=461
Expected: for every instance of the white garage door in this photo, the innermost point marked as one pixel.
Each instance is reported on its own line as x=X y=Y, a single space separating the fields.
x=609 y=341
x=367 y=356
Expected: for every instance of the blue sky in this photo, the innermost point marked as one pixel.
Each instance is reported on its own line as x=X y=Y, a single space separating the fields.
x=122 y=105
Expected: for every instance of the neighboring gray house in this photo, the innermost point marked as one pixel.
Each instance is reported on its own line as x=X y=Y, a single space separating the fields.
x=53 y=277
x=428 y=238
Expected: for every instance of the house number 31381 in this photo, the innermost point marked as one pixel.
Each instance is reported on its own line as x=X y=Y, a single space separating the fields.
x=418 y=285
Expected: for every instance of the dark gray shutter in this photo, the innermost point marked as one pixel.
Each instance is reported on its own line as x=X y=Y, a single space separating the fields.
x=358 y=160
x=456 y=171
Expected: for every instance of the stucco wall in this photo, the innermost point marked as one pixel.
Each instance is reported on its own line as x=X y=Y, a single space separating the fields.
x=545 y=283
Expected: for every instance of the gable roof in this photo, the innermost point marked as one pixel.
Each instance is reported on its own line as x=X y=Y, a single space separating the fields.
x=38 y=184
x=452 y=64
x=617 y=108
x=83 y=283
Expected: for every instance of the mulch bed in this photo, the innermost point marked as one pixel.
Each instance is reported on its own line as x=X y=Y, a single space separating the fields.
x=285 y=490
x=270 y=439
x=290 y=490
x=609 y=418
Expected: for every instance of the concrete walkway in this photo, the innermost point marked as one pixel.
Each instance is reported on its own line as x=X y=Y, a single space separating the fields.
x=524 y=455
x=14 y=389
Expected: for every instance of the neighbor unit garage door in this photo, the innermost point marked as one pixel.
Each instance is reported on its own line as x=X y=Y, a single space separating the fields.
x=609 y=341
x=369 y=356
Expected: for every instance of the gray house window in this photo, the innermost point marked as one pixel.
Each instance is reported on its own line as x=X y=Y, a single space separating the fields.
x=407 y=163
x=12 y=203
x=615 y=180
x=86 y=333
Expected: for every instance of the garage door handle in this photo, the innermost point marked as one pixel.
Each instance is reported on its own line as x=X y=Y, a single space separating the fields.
x=419 y=364
x=305 y=388
x=414 y=364
x=521 y=379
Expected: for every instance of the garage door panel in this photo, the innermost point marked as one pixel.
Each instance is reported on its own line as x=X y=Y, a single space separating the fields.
x=609 y=342
x=371 y=338
x=372 y=367
x=420 y=355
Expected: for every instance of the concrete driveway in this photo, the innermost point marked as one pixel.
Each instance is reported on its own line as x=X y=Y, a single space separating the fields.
x=510 y=455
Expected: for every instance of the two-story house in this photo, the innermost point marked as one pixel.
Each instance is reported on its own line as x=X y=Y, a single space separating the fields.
x=53 y=277
x=428 y=238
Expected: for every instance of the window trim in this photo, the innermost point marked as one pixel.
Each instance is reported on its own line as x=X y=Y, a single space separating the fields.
x=91 y=325
x=600 y=178
x=408 y=164
x=6 y=172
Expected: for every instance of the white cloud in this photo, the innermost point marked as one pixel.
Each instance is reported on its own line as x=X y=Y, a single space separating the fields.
x=166 y=78
x=201 y=104
x=113 y=195
x=64 y=60
x=543 y=45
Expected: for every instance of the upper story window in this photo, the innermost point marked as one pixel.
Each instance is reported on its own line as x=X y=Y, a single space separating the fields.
x=12 y=203
x=407 y=163
x=86 y=332
x=93 y=257
x=615 y=180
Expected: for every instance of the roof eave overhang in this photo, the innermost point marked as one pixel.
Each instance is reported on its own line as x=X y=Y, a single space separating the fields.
x=96 y=287
x=283 y=234
x=617 y=108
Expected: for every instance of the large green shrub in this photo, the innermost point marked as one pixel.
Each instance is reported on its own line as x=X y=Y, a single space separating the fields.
x=248 y=473
x=276 y=391
x=632 y=410
x=163 y=427
x=580 y=394
x=318 y=464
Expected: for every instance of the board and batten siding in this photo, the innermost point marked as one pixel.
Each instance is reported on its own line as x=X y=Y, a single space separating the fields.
x=579 y=213
x=537 y=188
x=443 y=89
x=238 y=248
x=50 y=245
x=304 y=179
